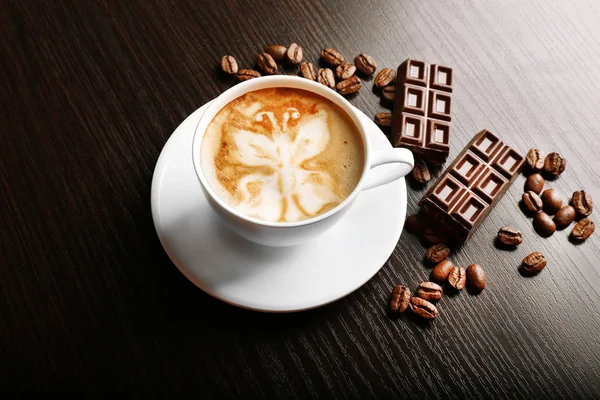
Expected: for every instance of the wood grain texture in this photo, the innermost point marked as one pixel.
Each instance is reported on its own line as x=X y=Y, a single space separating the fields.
x=90 y=303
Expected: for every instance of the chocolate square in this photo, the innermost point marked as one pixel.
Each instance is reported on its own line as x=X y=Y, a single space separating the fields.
x=507 y=162
x=447 y=192
x=487 y=145
x=415 y=73
x=468 y=168
x=468 y=210
x=490 y=184
x=441 y=78
x=440 y=105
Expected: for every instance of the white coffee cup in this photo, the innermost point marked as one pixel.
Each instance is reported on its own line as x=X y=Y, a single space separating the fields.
x=292 y=233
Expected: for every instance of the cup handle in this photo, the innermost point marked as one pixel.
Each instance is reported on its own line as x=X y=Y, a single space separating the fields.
x=403 y=157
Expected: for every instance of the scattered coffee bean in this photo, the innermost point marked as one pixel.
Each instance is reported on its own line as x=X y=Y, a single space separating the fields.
x=267 y=64
x=437 y=253
x=429 y=291
x=564 y=217
x=348 y=86
x=278 y=52
x=583 y=229
x=509 y=236
x=435 y=236
x=344 y=71
x=457 y=278
x=308 y=71
x=475 y=278
x=420 y=172
x=383 y=119
x=554 y=164
x=385 y=77
x=440 y=272
x=534 y=263
x=543 y=224
x=365 y=64
x=389 y=93
x=535 y=160
x=400 y=299
x=294 y=54
x=552 y=201
x=332 y=57
x=415 y=224
x=582 y=202
x=229 y=65
x=532 y=202
x=423 y=308
x=325 y=77
x=246 y=74
x=534 y=183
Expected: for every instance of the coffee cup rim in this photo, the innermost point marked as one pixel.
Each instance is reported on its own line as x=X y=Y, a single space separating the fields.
x=267 y=82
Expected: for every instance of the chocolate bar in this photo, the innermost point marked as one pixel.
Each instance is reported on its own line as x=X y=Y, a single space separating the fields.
x=471 y=186
x=422 y=110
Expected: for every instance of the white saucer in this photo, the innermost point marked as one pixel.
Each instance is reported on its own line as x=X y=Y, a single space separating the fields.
x=262 y=278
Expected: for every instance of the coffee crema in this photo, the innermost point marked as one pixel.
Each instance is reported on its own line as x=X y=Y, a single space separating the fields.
x=282 y=154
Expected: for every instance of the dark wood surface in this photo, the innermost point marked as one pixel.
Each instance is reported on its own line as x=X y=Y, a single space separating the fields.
x=89 y=302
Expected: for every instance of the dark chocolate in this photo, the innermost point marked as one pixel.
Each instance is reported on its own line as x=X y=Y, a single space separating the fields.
x=471 y=186
x=422 y=109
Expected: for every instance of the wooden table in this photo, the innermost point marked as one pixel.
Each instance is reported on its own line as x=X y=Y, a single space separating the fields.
x=89 y=301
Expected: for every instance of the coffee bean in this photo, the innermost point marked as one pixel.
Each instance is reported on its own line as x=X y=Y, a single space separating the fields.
x=294 y=54
x=389 y=93
x=457 y=278
x=535 y=160
x=325 y=77
x=420 y=172
x=554 y=164
x=229 y=65
x=429 y=291
x=400 y=299
x=308 y=71
x=385 y=77
x=564 y=217
x=348 y=86
x=543 y=224
x=365 y=64
x=582 y=202
x=245 y=74
x=344 y=71
x=510 y=236
x=277 y=52
x=435 y=236
x=440 y=272
x=475 y=278
x=534 y=262
x=415 y=224
x=437 y=253
x=552 y=201
x=383 y=119
x=423 y=308
x=583 y=229
x=534 y=183
x=532 y=202
x=267 y=64
x=332 y=57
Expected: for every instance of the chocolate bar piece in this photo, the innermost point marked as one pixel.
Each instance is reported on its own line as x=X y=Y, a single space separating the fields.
x=471 y=186
x=422 y=107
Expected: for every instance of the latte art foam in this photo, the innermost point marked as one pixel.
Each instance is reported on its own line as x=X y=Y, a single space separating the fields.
x=282 y=155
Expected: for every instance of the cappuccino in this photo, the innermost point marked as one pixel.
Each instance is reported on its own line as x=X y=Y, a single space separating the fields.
x=282 y=154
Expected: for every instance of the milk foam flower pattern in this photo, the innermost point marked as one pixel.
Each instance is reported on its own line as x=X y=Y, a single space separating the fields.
x=295 y=189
